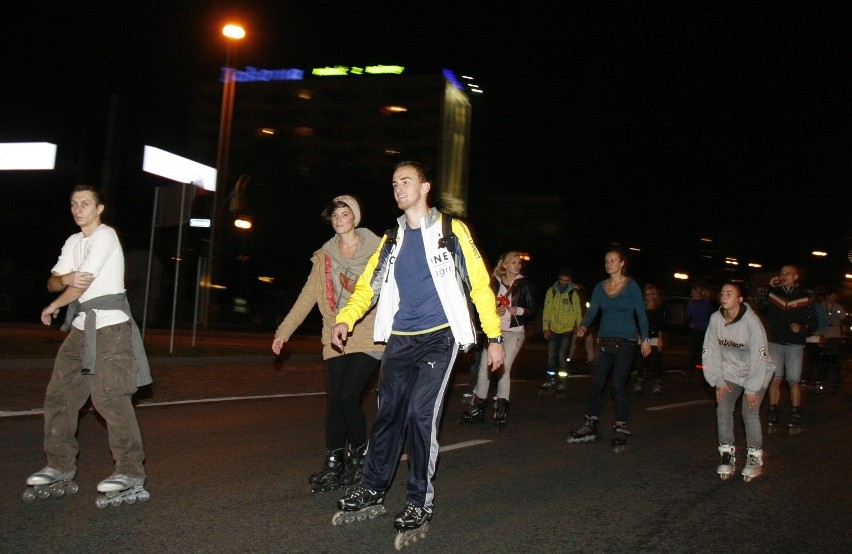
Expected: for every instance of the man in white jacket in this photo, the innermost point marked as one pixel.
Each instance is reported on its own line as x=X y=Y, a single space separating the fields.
x=736 y=361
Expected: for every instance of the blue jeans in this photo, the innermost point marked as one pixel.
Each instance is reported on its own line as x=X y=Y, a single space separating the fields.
x=751 y=417
x=618 y=361
x=788 y=361
x=557 y=351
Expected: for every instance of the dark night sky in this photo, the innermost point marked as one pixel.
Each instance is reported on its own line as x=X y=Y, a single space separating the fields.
x=660 y=122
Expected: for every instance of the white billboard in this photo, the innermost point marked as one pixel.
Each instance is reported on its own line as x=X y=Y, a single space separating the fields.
x=27 y=155
x=171 y=166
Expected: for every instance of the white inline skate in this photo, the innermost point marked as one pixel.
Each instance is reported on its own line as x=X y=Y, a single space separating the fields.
x=727 y=461
x=411 y=524
x=49 y=482
x=754 y=464
x=118 y=488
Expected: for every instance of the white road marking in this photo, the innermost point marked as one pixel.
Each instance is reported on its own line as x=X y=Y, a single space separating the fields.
x=678 y=405
x=455 y=446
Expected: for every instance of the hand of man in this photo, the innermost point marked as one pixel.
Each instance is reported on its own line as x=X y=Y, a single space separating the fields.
x=78 y=279
x=48 y=314
x=547 y=334
x=496 y=355
x=646 y=349
x=581 y=331
x=277 y=344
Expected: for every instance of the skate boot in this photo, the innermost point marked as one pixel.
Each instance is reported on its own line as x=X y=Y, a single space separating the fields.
x=637 y=386
x=330 y=476
x=620 y=436
x=549 y=386
x=476 y=412
x=562 y=386
x=587 y=432
x=354 y=465
x=50 y=482
x=501 y=413
x=411 y=524
x=772 y=415
x=728 y=461
x=754 y=464
x=794 y=419
x=118 y=488
x=359 y=505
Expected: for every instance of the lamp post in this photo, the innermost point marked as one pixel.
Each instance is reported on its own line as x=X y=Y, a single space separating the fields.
x=232 y=33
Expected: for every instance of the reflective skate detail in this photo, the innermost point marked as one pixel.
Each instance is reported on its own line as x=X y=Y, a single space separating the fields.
x=475 y=413
x=727 y=461
x=754 y=465
x=409 y=536
x=127 y=496
x=370 y=512
x=561 y=389
x=795 y=417
x=772 y=416
x=55 y=490
x=549 y=387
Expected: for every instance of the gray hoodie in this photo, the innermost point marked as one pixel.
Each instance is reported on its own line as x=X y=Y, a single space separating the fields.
x=737 y=352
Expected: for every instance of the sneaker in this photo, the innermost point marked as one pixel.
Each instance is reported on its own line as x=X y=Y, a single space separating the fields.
x=49 y=475
x=119 y=482
x=412 y=517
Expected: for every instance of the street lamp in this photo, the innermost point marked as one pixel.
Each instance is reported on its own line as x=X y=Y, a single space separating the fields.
x=232 y=33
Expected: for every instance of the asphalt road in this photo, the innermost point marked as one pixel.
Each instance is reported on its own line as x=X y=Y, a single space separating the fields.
x=230 y=443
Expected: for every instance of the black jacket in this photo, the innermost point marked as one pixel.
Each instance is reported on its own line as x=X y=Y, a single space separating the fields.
x=521 y=296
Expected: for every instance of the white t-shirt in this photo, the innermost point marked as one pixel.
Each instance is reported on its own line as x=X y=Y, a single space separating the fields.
x=101 y=255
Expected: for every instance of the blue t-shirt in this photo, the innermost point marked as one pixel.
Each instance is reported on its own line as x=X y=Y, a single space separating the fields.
x=419 y=306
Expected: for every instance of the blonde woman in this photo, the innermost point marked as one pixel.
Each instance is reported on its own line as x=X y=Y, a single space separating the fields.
x=515 y=306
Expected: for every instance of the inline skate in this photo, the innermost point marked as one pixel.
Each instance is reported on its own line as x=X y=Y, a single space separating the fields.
x=476 y=412
x=727 y=461
x=754 y=464
x=501 y=413
x=549 y=386
x=330 y=477
x=359 y=505
x=587 y=432
x=118 y=488
x=620 y=435
x=411 y=524
x=354 y=465
x=49 y=482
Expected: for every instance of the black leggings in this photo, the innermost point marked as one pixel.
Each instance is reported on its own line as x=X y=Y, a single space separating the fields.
x=347 y=377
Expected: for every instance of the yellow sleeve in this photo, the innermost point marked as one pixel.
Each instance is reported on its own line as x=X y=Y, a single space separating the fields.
x=480 y=281
x=361 y=299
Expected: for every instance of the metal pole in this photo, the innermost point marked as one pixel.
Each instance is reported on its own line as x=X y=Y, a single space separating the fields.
x=150 y=257
x=177 y=265
x=199 y=271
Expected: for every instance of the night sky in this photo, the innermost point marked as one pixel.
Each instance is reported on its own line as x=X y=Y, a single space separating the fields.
x=661 y=123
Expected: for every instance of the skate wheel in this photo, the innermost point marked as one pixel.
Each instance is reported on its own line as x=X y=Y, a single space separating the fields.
x=43 y=493
x=57 y=492
x=115 y=502
x=337 y=519
x=72 y=488
x=29 y=495
x=724 y=476
x=101 y=502
x=399 y=542
x=144 y=496
x=362 y=517
x=130 y=500
x=747 y=478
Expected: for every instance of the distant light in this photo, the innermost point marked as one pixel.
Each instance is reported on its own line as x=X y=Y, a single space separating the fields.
x=242 y=223
x=174 y=167
x=681 y=276
x=524 y=256
x=341 y=70
x=476 y=90
x=731 y=261
x=451 y=77
x=706 y=239
x=330 y=71
x=466 y=77
x=266 y=279
x=391 y=152
x=268 y=131
x=385 y=69
x=752 y=264
x=634 y=249
x=848 y=276
x=253 y=74
x=197 y=222
x=27 y=156
x=819 y=253
x=394 y=109
x=233 y=31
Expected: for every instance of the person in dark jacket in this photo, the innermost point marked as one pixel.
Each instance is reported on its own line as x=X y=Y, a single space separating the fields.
x=789 y=318
x=515 y=306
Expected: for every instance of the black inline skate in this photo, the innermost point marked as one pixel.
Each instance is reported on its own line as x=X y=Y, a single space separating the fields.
x=501 y=413
x=411 y=524
x=354 y=465
x=587 y=432
x=330 y=477
x=476 y=412
x=620 y=435
x=359 y=505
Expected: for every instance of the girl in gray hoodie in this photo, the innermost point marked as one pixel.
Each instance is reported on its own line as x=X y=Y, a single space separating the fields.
x=736 y=361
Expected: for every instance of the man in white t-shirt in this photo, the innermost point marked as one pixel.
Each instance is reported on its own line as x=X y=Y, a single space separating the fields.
x=97 y=360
